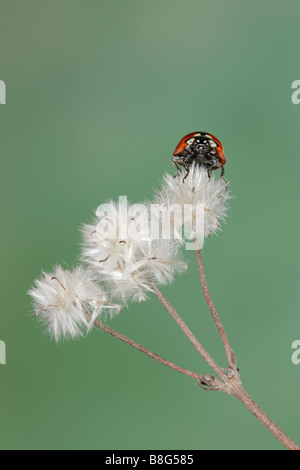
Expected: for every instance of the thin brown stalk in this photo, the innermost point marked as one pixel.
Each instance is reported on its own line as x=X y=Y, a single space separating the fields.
x=244 y=398
x=149 y=353
x=198 y=346
x=229 y=353
x=233 y=384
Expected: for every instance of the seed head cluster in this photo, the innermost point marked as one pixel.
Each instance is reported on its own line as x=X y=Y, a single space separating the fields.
x=127 y=250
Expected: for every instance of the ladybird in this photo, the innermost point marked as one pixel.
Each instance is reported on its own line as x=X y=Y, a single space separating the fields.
x=201 y=148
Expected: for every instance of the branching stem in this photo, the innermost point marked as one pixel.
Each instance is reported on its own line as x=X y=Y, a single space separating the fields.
x=229 y=353
x=149 y=353
x=188 y=333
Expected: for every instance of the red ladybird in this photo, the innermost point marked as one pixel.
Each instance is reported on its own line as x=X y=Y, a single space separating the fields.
x=201 y=148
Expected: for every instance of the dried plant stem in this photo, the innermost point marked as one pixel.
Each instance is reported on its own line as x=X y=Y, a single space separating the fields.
x=229 y=353
x=244 y=398
x=232 y=383
x=149 y=353
x=206 y=356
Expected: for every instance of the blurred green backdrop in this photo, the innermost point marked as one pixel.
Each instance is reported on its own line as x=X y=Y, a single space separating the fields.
x=99 y=92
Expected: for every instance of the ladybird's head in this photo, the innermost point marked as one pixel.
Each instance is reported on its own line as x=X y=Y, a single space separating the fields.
x=198 y=146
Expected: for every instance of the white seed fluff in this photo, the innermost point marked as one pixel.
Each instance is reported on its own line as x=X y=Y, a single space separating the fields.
x=193 y=194
x=121 y=251
x=62 y=299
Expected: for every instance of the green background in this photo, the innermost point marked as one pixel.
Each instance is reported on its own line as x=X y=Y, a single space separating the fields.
x=98 y=95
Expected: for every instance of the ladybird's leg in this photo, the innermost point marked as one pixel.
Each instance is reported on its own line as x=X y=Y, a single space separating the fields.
x=209 y=169
x=222 y=176
x=214 y=166
x=177 y=167
x=187 y=171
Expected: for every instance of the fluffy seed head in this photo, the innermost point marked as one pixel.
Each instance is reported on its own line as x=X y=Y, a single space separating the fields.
x=199 y=201
x=119 y=247
x=62 y=299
